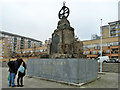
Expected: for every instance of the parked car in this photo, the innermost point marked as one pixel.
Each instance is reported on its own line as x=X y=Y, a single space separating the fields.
x=103 y=59
x=112 y=61
x=118 y=60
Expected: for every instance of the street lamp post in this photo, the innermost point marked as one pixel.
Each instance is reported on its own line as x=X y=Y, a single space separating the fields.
x=101 y=46
x=101 y=37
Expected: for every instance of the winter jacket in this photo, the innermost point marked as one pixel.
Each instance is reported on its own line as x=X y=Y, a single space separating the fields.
x=11 y=65
x=17 y=65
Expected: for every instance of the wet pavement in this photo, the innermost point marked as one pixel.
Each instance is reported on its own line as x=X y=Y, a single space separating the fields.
x=107 y=80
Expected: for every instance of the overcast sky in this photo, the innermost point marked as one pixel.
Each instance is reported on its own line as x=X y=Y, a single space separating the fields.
x=38 y=18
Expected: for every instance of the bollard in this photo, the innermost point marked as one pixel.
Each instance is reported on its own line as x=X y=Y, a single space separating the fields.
x=100 y=66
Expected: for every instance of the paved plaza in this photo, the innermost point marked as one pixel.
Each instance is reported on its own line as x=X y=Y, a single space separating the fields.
x=107 y=80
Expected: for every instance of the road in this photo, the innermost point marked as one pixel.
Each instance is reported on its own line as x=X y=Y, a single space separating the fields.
x=107 y=80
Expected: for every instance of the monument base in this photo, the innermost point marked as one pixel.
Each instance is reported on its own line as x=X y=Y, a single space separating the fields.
x=65 y=70
x=62 y=82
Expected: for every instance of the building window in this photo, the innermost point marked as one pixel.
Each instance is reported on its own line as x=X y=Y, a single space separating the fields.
x=115 y=43
x=104 y=44
x=3 y=47
x=113 y=27
x=99 y=52
x=108 y=44
x=88 y=53
x=97 y=47
x=3 y=44
x=3 y=40
x=94 y=52
x=102 y=34
x=2 y=52
x=84 y=53
x=116 y=26
x=85 y=48
x=114 y=51
x=108 y=52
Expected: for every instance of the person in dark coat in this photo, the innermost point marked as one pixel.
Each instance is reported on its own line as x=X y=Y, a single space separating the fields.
x=11 y=65
x=17 y=64
x=21 y=74
x=13 y=68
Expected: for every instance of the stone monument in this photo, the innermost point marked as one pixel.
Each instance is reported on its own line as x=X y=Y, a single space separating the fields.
x=64 y=46
x=63 y=38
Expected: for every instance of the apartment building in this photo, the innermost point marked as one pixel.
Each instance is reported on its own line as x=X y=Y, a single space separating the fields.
x=0 y=47
x=110 y=42
x=114 y=28
x=12 y=43
x=33 y=52
x=47 y=42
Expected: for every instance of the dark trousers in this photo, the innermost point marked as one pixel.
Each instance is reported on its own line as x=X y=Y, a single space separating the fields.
x=20 y=79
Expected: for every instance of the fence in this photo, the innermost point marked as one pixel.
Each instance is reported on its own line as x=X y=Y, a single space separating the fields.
x=67 y=70
x=111 y=67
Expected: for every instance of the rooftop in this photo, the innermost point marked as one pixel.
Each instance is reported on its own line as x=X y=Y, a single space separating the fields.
x=11 y=34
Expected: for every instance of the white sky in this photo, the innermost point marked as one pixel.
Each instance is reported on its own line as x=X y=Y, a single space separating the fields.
x=38 y=18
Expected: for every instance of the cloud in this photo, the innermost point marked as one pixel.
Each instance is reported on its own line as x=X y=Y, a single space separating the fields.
x=39 y=18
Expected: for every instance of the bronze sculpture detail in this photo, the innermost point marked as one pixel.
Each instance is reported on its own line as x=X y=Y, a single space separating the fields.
x=64 y=12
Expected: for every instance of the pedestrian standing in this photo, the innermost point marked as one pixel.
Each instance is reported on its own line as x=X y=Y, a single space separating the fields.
x=21 y=74
x=11 y=65
x=13 y=68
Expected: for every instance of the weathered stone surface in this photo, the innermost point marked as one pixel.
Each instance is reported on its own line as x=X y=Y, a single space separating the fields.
x=67 y=70
x=64 y=43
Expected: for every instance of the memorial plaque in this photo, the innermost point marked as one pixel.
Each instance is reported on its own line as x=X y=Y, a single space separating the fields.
x=55 y=42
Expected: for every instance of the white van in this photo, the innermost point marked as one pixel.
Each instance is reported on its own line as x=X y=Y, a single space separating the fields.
x=103 y=59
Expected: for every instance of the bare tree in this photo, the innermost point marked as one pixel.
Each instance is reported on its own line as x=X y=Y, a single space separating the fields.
x=9 y=52
x=34 y=50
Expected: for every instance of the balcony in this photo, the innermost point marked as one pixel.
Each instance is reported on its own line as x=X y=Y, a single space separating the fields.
x=92 y=55
x=114 y=52
x=113 y=32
